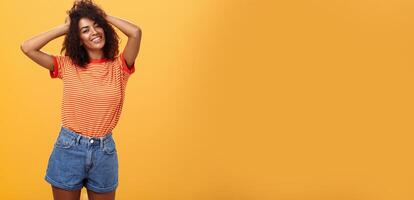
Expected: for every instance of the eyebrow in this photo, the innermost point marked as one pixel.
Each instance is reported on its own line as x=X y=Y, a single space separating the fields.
x=88 y=26
x=84 y=27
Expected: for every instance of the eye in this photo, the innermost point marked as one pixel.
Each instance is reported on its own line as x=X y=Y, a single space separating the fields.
x=85 y=30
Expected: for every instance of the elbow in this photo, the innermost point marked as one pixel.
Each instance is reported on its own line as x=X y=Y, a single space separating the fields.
x=24 y=48
x=136 y=33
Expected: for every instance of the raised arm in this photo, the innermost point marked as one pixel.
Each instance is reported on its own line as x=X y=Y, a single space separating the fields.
x=32 y=46
x=133 y=32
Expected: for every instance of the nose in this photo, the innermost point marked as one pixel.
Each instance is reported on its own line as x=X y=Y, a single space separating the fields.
x=93 y=30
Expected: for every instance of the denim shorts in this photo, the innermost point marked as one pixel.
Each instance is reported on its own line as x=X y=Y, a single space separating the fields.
x=78 y=161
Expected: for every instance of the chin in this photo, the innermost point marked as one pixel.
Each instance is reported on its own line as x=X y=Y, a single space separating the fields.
x=96 y=47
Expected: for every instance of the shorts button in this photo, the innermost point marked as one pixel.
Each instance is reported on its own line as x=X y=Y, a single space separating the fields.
x=91 y=141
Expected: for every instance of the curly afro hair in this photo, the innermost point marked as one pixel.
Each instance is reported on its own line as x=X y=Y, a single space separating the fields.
x=71 y=44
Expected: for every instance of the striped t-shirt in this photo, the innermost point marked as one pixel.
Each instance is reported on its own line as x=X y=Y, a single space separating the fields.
x=92 y=96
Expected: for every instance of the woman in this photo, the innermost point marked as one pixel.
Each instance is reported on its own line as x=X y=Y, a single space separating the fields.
x=94 y=76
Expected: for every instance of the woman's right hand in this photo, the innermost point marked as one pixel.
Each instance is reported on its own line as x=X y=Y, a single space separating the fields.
x=67 y=20
x=67 y=24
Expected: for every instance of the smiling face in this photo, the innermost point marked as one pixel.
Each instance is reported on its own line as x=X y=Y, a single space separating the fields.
x=91 y=34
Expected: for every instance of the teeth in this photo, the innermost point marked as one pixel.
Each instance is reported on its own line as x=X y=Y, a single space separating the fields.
x=96 y=40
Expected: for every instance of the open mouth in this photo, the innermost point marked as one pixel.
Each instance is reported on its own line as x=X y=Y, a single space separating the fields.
x=97 y=39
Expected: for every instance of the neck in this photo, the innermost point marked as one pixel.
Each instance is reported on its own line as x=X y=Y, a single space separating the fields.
x=93 y=55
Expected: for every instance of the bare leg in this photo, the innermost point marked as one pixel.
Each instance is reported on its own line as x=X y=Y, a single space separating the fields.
x=101 y=196
x=61 y=194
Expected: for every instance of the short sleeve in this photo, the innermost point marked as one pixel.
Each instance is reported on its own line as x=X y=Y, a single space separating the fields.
x=128 y=70
x=59 y=64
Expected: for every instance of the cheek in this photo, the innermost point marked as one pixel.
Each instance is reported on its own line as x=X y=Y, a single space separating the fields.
x=83 y=37
x=101 y=31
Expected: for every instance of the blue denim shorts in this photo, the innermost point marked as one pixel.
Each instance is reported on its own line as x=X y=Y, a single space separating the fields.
x=78 y=161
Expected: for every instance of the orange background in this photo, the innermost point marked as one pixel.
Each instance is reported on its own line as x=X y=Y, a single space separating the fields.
x=246 y=100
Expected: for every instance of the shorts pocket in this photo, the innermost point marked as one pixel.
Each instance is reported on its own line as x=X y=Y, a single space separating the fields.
x=109 y=146
x=64 y=142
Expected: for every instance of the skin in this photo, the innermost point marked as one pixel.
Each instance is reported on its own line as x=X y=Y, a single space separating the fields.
x=31 y=47
x=92 y=37
x=88 y=31
x=61 y=194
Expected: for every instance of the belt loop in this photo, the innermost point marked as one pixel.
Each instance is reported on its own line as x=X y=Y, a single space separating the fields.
x=78 y=139
x=101 y=142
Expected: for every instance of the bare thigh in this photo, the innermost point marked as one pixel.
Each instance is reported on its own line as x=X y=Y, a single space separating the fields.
x=101 y=196
x=61 y=194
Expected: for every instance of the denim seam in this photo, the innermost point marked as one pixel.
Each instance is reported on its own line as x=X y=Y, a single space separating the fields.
x=100 y=189
x=55 y=183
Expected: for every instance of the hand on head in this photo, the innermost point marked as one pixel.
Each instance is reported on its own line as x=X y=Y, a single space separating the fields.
x=67 y=20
